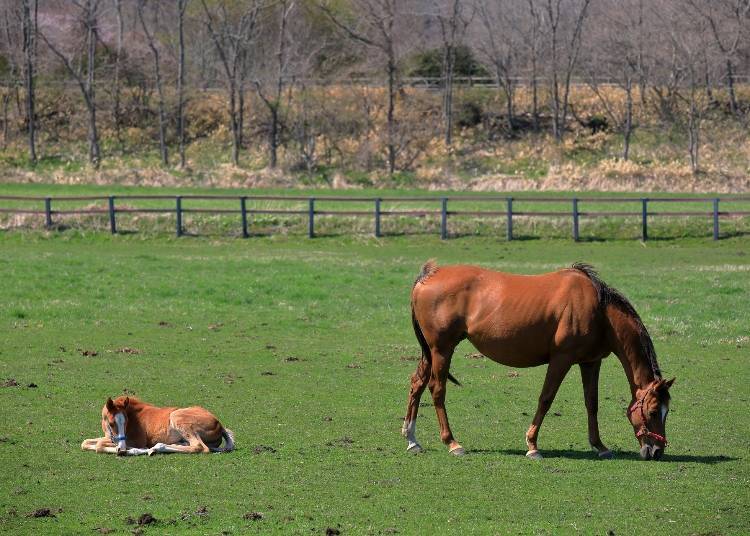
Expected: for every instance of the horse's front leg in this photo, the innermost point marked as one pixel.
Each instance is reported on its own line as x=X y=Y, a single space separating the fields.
x=418 y=383
x=590 y=379
x=556 y=370
x=92 y=444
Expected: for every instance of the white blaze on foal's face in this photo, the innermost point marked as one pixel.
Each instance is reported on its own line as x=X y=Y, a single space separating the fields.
x=120 y=425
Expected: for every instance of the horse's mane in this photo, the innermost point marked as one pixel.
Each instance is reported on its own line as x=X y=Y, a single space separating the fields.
x=611 y=296
x=428 y=268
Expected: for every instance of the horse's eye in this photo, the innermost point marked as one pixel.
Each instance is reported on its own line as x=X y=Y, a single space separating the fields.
x=653 y=414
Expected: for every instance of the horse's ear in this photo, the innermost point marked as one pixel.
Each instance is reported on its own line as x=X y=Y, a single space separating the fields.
x=127 y=401
x=110 y=405
x=669 y=383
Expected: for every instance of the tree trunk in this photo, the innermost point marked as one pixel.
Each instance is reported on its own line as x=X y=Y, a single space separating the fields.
x=117 y=112
x=181 y=5
x=94 y=151
x=29 y=31
x=508 y=85
x=628 y=125
x=391 y=113
x=273 y=136
x=448 y=67
x=730 y=87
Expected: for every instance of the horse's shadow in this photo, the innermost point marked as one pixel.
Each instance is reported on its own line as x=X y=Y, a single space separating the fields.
x=618 y=455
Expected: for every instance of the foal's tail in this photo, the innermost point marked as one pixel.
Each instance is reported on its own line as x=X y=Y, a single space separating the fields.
x=426 y=354
x=228 y=436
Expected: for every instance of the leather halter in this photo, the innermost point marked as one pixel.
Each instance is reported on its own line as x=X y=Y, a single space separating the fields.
x=644 y=431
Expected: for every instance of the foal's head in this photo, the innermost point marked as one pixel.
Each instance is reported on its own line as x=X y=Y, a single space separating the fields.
x=115 y=422
x=648 y=415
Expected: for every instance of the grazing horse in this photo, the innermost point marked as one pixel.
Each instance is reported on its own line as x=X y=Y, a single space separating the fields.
x=132 y=427
x=559 y=319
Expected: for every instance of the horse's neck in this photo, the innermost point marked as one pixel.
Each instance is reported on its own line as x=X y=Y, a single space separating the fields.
x=630 y=349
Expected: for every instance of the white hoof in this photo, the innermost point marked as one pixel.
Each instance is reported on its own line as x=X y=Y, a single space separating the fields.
x=457 y=451
x=414 y=448
x=534 y=455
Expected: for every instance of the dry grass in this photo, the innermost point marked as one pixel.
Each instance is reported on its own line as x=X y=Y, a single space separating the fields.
x=347 y=126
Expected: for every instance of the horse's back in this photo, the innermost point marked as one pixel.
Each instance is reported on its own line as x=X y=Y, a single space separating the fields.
x=518 y=320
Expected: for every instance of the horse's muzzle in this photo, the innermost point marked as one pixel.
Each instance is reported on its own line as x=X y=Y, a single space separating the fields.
x=651 y=452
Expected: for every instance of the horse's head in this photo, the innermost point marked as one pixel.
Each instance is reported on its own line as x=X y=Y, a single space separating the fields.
x=115 y=422
x=648 y=415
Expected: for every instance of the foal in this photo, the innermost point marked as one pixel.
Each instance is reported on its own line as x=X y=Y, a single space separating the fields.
x=132 y=428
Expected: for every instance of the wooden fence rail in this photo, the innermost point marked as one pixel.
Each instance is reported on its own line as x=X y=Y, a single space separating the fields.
x=378 y=213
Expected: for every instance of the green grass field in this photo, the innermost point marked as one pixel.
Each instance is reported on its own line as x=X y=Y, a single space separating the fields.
x=304 y=348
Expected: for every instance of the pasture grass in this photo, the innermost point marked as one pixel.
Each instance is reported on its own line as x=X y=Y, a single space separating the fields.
x=304 y=349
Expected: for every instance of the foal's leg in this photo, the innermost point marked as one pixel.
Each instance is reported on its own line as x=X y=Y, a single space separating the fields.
x=441 y=360
x=556 y=370
x=185 y=427
x=590 y=378
x=418 y=382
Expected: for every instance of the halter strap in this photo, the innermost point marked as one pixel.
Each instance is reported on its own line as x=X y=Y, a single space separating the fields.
x=644 y=431
x=112 y=435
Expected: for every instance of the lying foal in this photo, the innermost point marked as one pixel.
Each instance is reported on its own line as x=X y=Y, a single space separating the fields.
x=132 y=427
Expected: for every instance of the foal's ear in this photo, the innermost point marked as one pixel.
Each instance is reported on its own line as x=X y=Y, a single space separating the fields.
x=669 y=383
x=110 y=405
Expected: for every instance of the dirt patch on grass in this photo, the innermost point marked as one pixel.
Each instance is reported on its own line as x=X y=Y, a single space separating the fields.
x=144 y=519
x=128 y=350
x=260 y=449
x=41 y=512
x=252 y=516
x=87 y=353
x=10 y=382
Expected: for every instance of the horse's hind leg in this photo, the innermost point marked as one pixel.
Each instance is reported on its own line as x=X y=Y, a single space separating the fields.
x=590 y=379
x=441 y=360
x=556 y=370
x=418 y=382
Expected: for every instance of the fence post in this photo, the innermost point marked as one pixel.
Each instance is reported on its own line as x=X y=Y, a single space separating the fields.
x=377 y=217
x=112 y=222
x=510 y=218
x=311 y=218
x=575 y=219
x=178 y=211
x=716 y=218
x=48 y=211
x=243 y=211
x=444 y=218
x=644 y=219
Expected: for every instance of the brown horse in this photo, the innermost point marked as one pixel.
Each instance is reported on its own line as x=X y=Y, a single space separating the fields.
x=560 y=319
x=132 y=428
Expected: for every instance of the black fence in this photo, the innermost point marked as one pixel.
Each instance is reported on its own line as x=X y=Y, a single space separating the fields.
x=643 y=209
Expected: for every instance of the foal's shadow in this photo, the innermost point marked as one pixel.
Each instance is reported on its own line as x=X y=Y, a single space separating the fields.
x=618 y=455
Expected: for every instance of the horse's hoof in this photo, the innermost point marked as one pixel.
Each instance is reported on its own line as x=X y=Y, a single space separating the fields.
x=457 y=451
x=534 y=455
x=414 y=448
x=606 y=455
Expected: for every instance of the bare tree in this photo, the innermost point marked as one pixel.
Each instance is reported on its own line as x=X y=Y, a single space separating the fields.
x=29 y=47
x=88 y=11
x=152 y=45
x=181 y=7
x=116 y=82
x=617 y=55
x=498 y=48
x=377 y=25
x=272 y=96
x=689 y=37
x=232 y=29
x=728 y=21
x=453 y=21
x=557 y=24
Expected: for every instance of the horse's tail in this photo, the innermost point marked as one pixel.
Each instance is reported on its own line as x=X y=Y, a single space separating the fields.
x=428 y=269
x=228 y=436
